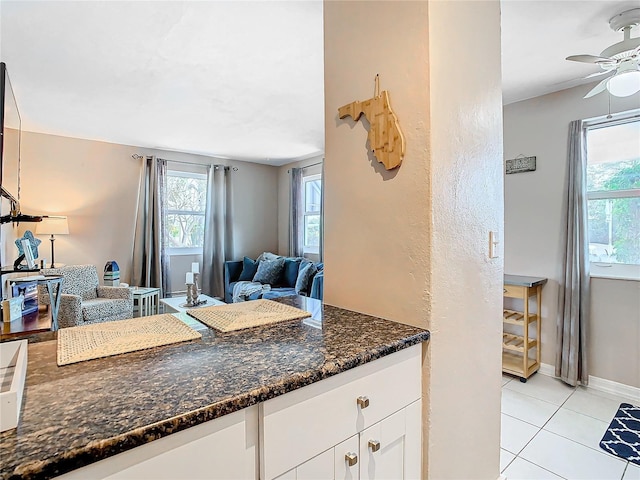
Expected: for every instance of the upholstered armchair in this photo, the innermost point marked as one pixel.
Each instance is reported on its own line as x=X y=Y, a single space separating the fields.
x=83 y=300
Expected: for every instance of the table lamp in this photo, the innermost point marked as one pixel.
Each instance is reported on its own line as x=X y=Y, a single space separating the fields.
x=54 y=225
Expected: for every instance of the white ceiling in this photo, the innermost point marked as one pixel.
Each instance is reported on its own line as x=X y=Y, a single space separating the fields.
x=232 y=79
x=235 y=79
x=537 y=36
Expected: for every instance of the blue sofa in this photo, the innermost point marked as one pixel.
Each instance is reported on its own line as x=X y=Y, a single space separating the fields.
x=286 y=285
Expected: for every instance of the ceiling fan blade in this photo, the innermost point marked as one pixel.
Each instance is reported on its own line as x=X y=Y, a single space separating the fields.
x=598 y=88
x=590 y=59
x=597 y=74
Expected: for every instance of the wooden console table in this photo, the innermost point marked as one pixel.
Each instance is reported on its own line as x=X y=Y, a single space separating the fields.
x=35 y=322
x=516 y=359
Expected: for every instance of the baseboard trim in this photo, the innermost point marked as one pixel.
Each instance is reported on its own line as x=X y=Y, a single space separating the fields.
x=546 y=369
x=600 y=384
x=616 y=388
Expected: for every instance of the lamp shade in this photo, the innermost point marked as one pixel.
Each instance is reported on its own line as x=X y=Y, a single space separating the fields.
x=52 y=226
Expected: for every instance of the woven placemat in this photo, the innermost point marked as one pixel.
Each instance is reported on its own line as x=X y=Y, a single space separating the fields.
x=87 y=342
x=238 y=316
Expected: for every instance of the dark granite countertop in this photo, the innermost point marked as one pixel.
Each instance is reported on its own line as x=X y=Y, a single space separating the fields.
x=78 y=414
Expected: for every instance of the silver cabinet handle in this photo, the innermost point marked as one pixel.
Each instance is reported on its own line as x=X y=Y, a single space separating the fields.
x=351 y=459
x=374 y=445
x=363 y=401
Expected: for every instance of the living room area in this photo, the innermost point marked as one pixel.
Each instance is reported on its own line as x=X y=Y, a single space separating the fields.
x=100 y=201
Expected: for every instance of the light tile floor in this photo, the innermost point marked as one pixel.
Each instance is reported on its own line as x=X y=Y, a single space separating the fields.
x=551 y=430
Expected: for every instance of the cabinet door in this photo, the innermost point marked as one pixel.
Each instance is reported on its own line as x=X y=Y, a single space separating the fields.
x=331 y=464
x=382 y=449
x=413 y=441
x=318 y=468
x=391 y=449
x=342 y=469
x=290 y=475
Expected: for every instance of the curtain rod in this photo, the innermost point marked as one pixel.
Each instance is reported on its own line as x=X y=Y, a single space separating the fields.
x=612 y=119
x=135 y=156
x=308 y=166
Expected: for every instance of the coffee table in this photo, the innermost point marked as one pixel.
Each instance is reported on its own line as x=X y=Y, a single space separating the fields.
x=173 y=304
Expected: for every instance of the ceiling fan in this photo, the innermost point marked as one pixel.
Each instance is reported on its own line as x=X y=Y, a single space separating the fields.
x=620 y=60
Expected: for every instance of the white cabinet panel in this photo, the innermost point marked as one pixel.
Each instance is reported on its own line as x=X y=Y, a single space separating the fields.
x=413 y=441
x=399 y=455
x=342 y=469
x=290 y=475
x=318 y=468
x=382 y=449
x=221 y=449
x=331 y=464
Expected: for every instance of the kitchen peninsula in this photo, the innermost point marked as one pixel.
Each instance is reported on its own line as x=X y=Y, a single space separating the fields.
x=297 y=372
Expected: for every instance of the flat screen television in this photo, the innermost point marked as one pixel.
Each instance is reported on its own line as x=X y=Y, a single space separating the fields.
x=9 y=139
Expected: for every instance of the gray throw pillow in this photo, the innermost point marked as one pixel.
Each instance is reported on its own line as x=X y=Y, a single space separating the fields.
x=269 y=271
x=306 y=273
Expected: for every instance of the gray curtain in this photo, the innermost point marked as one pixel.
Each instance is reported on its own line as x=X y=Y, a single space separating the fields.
x=150 y=263
x=295 y=213
x=573 y=297
x=218 y=227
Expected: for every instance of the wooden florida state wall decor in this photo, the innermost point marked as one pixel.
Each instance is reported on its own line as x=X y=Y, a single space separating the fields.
x=385 y=137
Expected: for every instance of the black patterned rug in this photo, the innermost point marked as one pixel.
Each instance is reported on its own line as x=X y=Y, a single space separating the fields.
x=622 y=438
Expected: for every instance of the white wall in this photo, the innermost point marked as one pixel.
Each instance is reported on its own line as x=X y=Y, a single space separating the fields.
x=284 y=205
x=411 y=244
x=96 y=185
x=532 y=239
x=467 y=202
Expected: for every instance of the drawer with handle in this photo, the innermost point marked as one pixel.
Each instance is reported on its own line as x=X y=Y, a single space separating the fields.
x=301 y=424
x=514 y=291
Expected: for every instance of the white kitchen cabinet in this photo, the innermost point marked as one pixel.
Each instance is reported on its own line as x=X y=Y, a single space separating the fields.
x=302 y=424
x=318 y=468
x=221 y=449
x=302 y=435
x=338 y=463
x=343 y=468
x=388 y=448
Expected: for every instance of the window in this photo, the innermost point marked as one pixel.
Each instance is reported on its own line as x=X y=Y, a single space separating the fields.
x=613 y=194
x=312 y=191
x=186 y=198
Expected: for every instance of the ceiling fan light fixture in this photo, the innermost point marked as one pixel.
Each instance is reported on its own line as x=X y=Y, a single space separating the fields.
x=624 y=84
